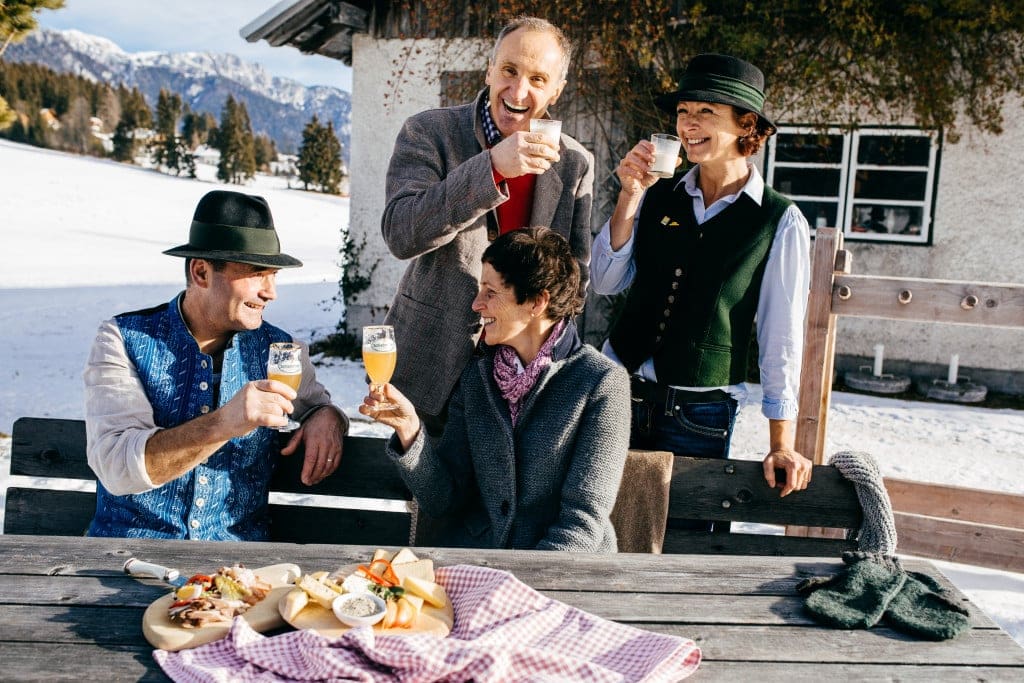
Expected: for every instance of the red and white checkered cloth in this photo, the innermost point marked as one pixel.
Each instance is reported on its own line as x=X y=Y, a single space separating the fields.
x=504 y=631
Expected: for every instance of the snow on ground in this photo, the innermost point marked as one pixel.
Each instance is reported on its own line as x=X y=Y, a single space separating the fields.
x=82 y=240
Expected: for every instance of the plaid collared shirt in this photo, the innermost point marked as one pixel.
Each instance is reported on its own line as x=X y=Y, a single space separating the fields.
x=491 y=131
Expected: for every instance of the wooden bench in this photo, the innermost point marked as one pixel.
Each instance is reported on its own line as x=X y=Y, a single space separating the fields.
x=52 y=448
x=724 y=491
x=679 y=488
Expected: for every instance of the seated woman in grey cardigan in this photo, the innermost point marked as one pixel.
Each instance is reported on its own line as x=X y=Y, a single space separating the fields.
x=538 y=427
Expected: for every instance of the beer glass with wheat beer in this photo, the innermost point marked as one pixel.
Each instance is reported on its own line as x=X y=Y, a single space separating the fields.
x=284 y=364
x=380 y=353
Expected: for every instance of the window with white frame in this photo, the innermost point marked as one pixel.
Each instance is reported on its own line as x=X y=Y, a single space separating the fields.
x=877 y=184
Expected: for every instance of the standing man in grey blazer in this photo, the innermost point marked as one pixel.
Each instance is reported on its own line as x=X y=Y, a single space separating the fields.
x=458 y=178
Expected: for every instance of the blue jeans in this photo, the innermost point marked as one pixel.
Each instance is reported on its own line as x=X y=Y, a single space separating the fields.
x=701 y=430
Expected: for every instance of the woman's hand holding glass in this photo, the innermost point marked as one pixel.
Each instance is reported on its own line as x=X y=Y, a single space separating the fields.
x=387 y=405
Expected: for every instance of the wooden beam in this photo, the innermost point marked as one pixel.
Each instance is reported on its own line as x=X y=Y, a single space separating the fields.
x=934 y=301
x=984 y=545
x=956 y=503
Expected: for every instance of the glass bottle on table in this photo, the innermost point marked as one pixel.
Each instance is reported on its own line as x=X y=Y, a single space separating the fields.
x=284 y=364
x=380 y=353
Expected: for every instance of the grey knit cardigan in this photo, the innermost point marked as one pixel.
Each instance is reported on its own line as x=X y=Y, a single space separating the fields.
x=551 y=482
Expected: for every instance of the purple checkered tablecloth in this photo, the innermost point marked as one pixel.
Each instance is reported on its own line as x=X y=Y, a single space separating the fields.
x=504 y=631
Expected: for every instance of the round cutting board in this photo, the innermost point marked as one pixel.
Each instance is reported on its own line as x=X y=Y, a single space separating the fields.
x=165 y=634
x=432 y=620
x=322 y=620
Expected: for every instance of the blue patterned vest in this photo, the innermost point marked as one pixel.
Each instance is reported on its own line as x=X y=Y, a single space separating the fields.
x=225 y=497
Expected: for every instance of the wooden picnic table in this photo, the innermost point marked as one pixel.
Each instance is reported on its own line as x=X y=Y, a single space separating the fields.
x=70 y=613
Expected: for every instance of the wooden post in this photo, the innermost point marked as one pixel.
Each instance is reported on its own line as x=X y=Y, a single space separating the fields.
x=819 y=358
x=819 y=345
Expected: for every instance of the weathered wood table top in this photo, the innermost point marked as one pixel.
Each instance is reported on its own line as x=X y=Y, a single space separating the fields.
x=67 y=612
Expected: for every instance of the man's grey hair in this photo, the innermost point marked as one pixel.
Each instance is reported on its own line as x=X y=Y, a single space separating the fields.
x=542 y=26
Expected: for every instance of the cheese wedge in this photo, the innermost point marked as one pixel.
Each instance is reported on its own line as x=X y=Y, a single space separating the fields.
x=431 y=593
x=416 y=602
x=319 y=592
x=403 y=556
x=421 y=569
x=294 y=602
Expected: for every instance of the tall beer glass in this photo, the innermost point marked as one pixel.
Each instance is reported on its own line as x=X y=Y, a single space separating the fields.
x=284 y=364
x=380 y=353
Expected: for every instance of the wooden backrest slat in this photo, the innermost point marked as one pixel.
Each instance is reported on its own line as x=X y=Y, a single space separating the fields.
x=365 y=472
x=303 y=524
x=956 y=503
x=46 y=512
x=53 y=448
x=45 y=447
x=682 y=542
x=735 y=490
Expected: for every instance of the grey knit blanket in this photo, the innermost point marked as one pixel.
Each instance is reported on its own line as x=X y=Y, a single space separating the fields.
x=877 y=532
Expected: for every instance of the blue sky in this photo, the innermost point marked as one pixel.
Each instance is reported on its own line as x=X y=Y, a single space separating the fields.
x=190 y=26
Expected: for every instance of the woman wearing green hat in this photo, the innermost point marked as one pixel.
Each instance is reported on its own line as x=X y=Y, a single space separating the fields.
x=704 y=255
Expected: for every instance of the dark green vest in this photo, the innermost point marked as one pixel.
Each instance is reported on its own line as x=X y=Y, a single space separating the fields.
x=692 y=303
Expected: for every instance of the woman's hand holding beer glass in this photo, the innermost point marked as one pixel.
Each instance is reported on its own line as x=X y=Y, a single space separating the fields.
x=384 y=403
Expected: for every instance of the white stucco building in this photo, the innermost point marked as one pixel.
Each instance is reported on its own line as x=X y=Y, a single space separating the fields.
x=910 y=203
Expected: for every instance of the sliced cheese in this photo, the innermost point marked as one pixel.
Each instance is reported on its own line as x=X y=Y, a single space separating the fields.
x=403 y=556
x=421 y=569
x=381 y=554
x=431 y=593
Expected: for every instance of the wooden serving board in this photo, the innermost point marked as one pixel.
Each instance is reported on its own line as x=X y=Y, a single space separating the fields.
x=162 y=633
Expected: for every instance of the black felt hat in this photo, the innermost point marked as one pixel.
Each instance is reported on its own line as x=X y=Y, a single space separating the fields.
x=231 y=226
x=721 y=79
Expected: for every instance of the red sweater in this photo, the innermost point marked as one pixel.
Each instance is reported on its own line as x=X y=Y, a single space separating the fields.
x=515 y=213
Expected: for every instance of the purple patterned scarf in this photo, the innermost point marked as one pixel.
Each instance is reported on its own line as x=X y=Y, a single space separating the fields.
x=514 y=386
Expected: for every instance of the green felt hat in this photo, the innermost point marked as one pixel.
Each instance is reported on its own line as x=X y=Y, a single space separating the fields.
x=722 y=79
x=231 y=226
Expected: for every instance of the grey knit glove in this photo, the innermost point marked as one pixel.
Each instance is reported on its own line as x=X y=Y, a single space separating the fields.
x=922 y=609
x=858 y=596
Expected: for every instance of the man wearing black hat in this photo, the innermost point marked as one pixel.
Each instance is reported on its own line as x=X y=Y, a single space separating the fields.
x=179 y=410
x=704 y=255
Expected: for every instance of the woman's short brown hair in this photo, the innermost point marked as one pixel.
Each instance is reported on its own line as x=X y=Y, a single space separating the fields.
x=534 y=260
x=758 y=130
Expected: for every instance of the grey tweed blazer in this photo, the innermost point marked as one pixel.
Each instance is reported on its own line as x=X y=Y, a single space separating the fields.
x=440 y=205
x=551 y=482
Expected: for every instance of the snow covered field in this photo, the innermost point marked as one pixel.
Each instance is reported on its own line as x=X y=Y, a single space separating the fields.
x=82 y=239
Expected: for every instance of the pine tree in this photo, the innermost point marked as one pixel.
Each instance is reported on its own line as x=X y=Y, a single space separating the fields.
x=266 y=152
x=235 y=140
x=124 y=141
x=331 y=179
x=309 y=153
x=170 y=149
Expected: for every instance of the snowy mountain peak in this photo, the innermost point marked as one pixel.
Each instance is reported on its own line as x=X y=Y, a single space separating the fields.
x=277 y=106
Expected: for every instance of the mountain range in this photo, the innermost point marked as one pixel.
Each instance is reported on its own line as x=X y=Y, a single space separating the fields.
x=278 y=107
